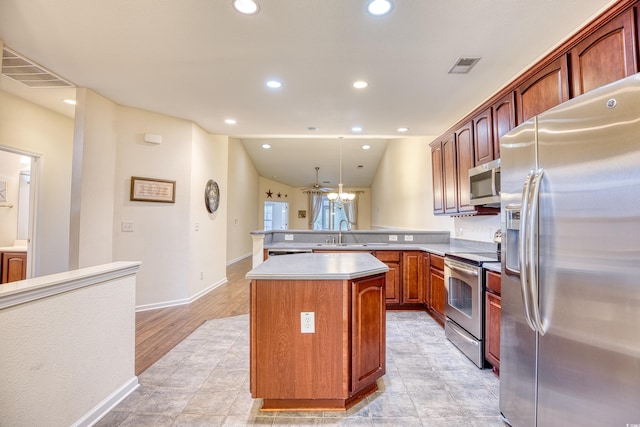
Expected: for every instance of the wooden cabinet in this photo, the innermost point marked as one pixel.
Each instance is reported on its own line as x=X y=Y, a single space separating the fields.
x=331 y=368
x=449 y=174
x=393 y=260
x=544 y=90
x=436 y=287
x=492 y=320
x=412 y=277
x=465 y=161
x=368 y=343
x=483 y=137
x=607 y=55
x=437 y=178
x=14 y=266
x=504 y=119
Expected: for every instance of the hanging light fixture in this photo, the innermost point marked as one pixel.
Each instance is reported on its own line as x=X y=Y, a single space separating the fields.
x=341 y=197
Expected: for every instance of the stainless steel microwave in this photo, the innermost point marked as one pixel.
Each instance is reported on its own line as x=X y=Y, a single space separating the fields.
x=484 y=184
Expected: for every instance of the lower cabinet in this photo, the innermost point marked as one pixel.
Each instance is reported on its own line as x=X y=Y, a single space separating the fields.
x=492 y=320
x=14 y=266
x=412 y=277
x=436 y=287
x=393 y=260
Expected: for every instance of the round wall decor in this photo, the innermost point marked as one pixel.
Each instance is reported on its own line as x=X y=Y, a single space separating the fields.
x=211 y=196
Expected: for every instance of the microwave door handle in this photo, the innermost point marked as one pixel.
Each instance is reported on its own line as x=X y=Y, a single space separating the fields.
x=533 y=251
x=522 y=249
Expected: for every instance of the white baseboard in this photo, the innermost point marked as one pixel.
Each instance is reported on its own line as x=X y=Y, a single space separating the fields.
x=240 y=258
x=183 y=301
x=103 y=408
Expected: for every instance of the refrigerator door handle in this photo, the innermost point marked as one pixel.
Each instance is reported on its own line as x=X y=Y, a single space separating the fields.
x=522 y=250
x=532 y=251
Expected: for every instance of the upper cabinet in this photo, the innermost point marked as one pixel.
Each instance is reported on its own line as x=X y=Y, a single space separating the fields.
x=545 y=89
x=603 y=51
x=607 y=55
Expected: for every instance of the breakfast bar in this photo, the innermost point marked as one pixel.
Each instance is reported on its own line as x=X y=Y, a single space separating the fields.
x=317 y=330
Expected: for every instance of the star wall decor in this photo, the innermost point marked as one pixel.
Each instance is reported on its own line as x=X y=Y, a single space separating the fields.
x=269 y=194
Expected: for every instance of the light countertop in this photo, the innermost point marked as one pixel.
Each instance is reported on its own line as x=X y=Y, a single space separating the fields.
x=318 y=266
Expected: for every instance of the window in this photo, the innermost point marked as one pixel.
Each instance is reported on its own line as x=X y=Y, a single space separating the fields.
x=330 y=216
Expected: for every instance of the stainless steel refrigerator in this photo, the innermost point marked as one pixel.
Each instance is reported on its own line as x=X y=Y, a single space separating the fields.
x=570 y=206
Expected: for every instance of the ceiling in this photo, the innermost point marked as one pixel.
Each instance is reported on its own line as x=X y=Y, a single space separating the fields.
x=201 y=60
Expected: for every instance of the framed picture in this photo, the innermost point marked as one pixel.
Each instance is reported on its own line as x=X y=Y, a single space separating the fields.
x=302 y=214
x=152 y=190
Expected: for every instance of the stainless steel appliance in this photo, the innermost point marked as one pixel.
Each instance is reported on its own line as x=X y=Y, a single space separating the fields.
x=484 y=184
x=570 y=329
x=464 y=302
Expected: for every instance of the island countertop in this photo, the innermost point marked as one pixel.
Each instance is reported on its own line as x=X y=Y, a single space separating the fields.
x=318 y=266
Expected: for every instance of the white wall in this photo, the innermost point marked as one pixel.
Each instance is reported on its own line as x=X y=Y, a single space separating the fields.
x=242 y=200
x=280 y=193
x=27 y=127
x=207 y=231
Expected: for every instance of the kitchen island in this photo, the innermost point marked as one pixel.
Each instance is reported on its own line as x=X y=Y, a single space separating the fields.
x=317 y=330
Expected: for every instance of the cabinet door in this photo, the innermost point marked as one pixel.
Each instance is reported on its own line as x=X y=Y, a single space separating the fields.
x=545 y=89
x=438 y=181
x=14 y=266
x=436 y=278
x=426 y=287
x=465 y=161
x=607 y=55
x=412 y=277
x=504 y=119
x=368 y=341
x=492 y=332
x=450 y=174
x=483 y=137
x=393 y=276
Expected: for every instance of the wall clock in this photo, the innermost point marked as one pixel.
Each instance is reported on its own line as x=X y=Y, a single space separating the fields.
x=211 y=196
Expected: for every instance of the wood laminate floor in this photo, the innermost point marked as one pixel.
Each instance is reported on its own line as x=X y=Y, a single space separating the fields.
x=158 y=331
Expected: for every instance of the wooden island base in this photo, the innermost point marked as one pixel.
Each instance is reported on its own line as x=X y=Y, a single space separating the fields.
x=317 y=338
x=272 y=405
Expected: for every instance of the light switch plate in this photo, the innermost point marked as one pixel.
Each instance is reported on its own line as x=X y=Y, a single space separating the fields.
x=408 y=238
x=126 y=226
x=288 y=237
x=393 y=237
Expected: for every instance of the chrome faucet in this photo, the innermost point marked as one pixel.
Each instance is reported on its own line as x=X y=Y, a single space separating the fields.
x=340 y=230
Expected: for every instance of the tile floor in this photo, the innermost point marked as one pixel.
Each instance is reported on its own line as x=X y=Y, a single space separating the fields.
x=204 y=381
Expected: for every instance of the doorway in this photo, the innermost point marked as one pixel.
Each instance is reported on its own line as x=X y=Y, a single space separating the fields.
x=18 y=171
x=276 y=215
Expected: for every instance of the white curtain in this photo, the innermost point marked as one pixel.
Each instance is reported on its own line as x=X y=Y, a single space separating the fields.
x=315 y=207
x=351 y=212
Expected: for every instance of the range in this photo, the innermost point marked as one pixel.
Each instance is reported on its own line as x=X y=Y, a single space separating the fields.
x=464 y=301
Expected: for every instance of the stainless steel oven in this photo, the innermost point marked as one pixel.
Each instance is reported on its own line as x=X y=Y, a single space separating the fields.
x=464 y=302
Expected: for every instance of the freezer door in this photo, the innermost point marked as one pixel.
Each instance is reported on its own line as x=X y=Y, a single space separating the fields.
x=518 y=340
x=589 y=260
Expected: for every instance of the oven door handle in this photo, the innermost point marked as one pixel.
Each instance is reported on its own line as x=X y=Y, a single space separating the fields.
x=455 y=266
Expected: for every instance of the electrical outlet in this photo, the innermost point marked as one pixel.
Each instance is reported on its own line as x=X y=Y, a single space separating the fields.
x=126 y=226
x=393 y=237
x=307 y=322
x=288 y=237
x=408 y=238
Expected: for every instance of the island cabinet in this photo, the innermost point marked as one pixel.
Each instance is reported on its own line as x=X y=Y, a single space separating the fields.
x=436 y=287
x=607 y=55
x=492 y=320
x=317 y=344
x=14 y=266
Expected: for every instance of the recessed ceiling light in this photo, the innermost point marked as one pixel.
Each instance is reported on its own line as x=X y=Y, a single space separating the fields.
x=356 y=129
x=230 y=121
x=247 y=7
x=379 y=7
x=402 y=129
x=360 y=84
x=266 y=146
x=366 y=147
x=69 y=101
x=274 y=84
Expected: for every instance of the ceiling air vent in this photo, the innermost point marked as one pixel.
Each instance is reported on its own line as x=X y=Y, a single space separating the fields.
x=463 y=65
x=21 y=69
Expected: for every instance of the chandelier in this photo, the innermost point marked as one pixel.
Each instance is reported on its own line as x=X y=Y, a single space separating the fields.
x=341 y=197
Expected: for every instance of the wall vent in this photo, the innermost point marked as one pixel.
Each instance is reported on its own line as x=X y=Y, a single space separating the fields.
x=27 y=72
x=464 y=65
